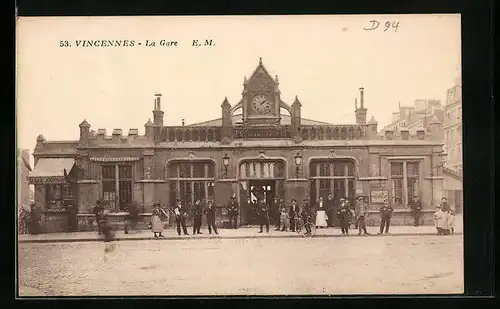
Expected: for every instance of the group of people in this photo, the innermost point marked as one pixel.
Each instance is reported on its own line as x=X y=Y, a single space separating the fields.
x=444 y=218
x=286 y=217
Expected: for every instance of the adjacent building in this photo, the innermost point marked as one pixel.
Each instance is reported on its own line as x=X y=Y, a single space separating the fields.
x=424 y=113
x=260 y=147
x=452 y=127
x=23 y=170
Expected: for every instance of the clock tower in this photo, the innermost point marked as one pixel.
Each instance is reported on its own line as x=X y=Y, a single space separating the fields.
x=261 y=98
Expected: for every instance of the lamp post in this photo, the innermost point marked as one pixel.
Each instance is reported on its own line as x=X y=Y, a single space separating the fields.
x=225 y=162
x=298 y=163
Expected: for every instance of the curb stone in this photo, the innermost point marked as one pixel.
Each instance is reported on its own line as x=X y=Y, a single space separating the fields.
x=222 y=237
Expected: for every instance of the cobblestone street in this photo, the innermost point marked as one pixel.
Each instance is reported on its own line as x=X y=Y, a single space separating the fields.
x=351 y=265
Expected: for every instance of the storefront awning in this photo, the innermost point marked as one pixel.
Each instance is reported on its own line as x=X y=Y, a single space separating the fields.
x=50 y=170
x=114 y=159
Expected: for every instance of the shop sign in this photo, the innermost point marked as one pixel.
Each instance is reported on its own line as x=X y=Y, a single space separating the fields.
x=261 y=133
x=378 y=196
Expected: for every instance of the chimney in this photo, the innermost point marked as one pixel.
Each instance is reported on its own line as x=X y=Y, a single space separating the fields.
x=361 y=96
x=405 y=133
x=157 y=112
x=421 y=133
x=117 y=135
x=133 y=133
x=101 y=134
x=389 y=134
x=361 y=111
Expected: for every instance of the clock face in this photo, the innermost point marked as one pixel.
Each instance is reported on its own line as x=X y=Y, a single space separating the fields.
x=261 y=104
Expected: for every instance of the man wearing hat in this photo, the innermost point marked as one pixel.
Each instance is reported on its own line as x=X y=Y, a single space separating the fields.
x=361 y=214
x=293 y=214
x=416 y=207
x=386 y=214
x=343 y=214
x=263 y=213
x=232 y=211
x=180 y=217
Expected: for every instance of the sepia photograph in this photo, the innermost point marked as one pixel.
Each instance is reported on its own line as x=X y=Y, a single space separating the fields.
x=239 y=155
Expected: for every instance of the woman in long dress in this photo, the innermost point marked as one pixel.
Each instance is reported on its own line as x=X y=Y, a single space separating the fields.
x=321 y=214
x=157 y=225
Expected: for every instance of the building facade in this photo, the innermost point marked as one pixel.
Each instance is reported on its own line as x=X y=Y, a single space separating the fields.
x=424 y=113
x=260 y=147
x=452 y=127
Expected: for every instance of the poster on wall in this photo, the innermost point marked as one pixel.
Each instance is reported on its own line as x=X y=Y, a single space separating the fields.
x=378 y=196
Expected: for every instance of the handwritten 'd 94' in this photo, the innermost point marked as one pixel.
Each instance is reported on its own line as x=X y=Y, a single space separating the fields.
x=391 y=25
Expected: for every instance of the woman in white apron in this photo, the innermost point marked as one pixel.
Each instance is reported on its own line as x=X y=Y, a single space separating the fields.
x=321 y=214
x=157 y=225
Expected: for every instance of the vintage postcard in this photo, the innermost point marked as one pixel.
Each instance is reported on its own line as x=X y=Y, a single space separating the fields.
x=239 y=155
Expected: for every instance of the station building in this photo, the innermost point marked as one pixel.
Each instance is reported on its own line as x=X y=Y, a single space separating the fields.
x=259 y=145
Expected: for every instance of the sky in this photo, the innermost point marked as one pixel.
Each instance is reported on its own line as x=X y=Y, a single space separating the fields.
x=324 y=60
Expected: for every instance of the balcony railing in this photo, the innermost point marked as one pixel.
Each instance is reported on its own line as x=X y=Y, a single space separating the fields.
x=191 y=134
x=334 y=132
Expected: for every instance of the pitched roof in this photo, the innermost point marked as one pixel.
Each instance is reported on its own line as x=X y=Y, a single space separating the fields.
x=285 y=120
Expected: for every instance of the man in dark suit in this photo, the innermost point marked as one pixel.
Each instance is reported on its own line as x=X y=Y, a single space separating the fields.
x=330 y=209
x=210 y=213
x=416 y=208
x=263 y=213
x=386 y=214
x=197 y=213
x=180 y=217
x=293 y=213
x=232 y=211
x=98 y=212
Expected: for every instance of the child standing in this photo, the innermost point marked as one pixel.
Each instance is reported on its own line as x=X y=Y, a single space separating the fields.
x=451 y=221
x=284 y=219
x=439 y=218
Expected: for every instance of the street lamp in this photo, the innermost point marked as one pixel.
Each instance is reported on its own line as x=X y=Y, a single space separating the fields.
x=225 y=162
x=298 y=163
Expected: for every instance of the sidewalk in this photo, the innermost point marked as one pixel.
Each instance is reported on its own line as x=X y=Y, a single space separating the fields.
x=242 y=232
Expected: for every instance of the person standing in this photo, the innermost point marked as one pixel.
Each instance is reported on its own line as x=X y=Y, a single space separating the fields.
x=306 y=215
x=284 y=219
x=386 y=214
x=232 y=211
x=35 y=218
x=361 y=214
x=180 y=217
x=276 y=213
x=416 y=208
x=197 y=212
x=156 y=221
x=330 y=209
x=263 y=213
x=451 y=221
x=293 y=213
x=321 y=214
x=439 y=220
x=72 y=218
x=98 y=213
x=132 y=218
x=210 y=214
x=343 y=214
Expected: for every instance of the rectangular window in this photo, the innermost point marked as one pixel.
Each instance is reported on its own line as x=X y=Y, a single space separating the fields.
x=172 y=171
x=312 y=170
x=324 y=188
x=324 y=169
x=397 y=183
x=185 y=170
x=109 y=185
x=199 y=170
x=199 y=191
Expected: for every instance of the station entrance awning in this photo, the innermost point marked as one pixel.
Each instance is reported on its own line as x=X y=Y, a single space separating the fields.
x=51 y=170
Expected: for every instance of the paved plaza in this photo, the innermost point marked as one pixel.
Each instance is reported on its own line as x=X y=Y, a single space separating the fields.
x=244 y=266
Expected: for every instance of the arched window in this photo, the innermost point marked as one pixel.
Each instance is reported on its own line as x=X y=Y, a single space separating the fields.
x=191 y=180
